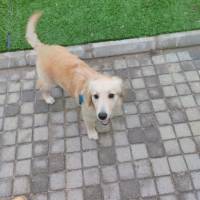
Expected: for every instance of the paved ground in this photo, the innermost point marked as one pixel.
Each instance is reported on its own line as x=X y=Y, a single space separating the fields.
x=149 y=152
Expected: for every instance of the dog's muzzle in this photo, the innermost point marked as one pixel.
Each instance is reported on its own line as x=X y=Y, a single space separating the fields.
x=103 y=118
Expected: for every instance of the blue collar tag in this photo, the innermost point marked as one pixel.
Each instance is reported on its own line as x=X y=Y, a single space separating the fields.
x=81 y=99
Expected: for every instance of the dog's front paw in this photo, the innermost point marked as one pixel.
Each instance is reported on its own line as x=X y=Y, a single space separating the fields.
x=50 y=100
x=93 y=135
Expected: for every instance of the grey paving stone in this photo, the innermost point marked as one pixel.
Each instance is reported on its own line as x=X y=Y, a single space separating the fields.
x=155 y=150
x=56 y=162
x=8 y=138
x=155 y=93
x=168 y=197
x=165 y=79
x=11 y=110
x=188 y=101
x=57 y=106
x=57 y=195
x=145 y=107
x=173 y=103
x=136 y=135
x=141 y=95
x=26 y=121
x=184 y=55
x=40 y=107
x=40 y=149
x=125 y=171
x=2 y=99
x=169 y=91
x=193 y=161
x=107 y=156
x=166 y=132
x=197 y=142
x=2 y=88
x=193 y=114
x=74 y=179
x=57 y=146
x=172 y=147
x=118 y=124
x=14 y=86
x=21 y=185
x=39 y=165
x=152 y=81
x=132 y=61
x=105 y=140
x=73 y=144
x=5 y=188
x=135 y=72
x=165 y=185
x=39 y=183
x=75 y=194
x=123 y=154
x=171 y=57
x=195 y=126
x=88 y=144
x=109 y=174
x=139 y=151
x=120 y=138
x=40 y=119
x=71 y=130
x=162 y=69
x=90 y=158
x=23 y=167
x=129 y=189
x=57 y=117
x=178 y=78
x=182 y=130
x=120 y=63
x=27 y=95
x=177 y=164
x=163 y=118
x=91 y=176
x=138 y=83
x=174 y=67
x=160 y=166
x=132 y=121
x=187 y=145
x=13 y=98
x=56 y=131
x=28 y=84
x=147 y=187
x=195 y=179
x=7 y=153
x=195 y=87
x=143 y=168
x=158 y=59
x=147 y=120
x=71 y=116
x=10 y=123
x=178 y=116
x=130 y=108
x=24 y=151
x=57 y=181
x=93 y=192
x=57 y=92
x=183 y=89
x=6 y=169
x=40 y=134
x=151 y=134
x=27 y=108
x=185 y=196
x=192 y=76
x=159 y=105
x=111 y=191
x=182 y=182
x=73 y=161
x=24 y=135
x=148 y=71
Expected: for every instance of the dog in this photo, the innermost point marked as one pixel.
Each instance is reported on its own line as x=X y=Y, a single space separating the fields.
x=97 y=93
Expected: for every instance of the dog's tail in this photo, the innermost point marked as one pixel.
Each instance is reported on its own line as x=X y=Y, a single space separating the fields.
x=31 y=35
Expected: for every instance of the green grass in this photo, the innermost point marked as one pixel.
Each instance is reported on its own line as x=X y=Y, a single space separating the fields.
x=70 y=22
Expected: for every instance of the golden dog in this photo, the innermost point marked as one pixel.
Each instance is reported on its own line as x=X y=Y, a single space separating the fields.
x=98 y=94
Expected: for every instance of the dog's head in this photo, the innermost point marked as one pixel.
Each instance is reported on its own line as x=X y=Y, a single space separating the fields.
x=104 y=94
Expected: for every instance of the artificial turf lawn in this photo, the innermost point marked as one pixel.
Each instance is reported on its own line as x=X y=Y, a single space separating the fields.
x=70 y=22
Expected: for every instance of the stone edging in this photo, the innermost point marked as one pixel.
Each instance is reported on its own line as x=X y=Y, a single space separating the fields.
x=110 y=48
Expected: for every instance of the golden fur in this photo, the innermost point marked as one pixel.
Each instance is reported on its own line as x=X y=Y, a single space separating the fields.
x=56 y=65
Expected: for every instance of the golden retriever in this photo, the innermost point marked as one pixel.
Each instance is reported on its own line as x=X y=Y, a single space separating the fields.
x=98 y=94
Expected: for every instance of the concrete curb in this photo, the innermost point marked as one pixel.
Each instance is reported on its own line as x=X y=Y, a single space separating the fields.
x=111 y=48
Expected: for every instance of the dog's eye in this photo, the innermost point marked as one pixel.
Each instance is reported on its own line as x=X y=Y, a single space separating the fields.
x=96 y=96
x=110 y=96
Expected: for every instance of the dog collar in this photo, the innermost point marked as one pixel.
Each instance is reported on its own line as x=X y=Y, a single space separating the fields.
x=81 y=99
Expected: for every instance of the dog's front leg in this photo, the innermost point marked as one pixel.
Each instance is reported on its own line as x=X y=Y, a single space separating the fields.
x=89 y=119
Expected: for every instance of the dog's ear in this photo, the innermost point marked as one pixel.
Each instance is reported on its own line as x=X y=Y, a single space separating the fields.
x=88 y=95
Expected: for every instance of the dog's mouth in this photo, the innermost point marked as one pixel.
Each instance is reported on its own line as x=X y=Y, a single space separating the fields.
x=105 y=122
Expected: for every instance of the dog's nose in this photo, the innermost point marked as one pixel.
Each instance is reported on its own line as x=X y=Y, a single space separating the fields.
x=102 y=115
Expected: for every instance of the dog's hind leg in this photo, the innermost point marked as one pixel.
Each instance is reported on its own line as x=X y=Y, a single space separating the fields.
x=45 y=90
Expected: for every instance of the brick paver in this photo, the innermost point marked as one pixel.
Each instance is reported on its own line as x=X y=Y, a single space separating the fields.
x=150 y=151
